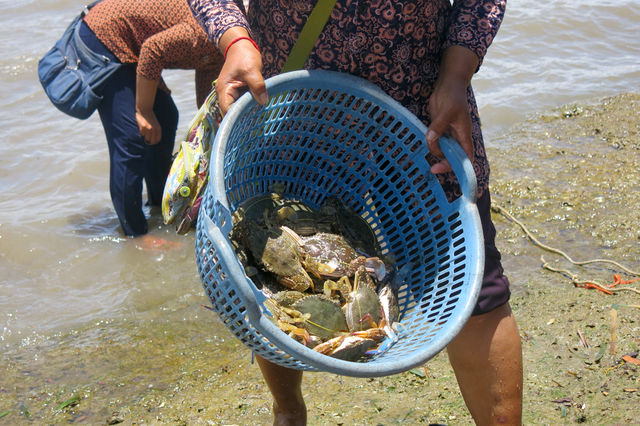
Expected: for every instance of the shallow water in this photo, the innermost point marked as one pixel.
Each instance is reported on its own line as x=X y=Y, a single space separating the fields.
x=63 y=262
x=550 y=53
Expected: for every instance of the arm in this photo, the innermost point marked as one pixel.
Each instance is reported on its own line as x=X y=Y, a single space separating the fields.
x=148 y=124
x=242 y=69
x=224 y=22
x=472 y=30
x=217 y=16
x=172 y=46
x=448 y=105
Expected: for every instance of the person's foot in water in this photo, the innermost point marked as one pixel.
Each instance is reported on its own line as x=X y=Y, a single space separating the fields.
x=150 y=243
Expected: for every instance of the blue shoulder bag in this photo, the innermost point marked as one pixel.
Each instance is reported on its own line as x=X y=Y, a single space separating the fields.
x=69 y=72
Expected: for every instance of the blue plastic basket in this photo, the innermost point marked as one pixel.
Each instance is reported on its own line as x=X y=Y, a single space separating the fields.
x=324 y=133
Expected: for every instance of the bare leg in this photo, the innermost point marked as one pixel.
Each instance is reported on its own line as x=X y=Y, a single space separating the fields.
x=487 y=359
x=285 y=385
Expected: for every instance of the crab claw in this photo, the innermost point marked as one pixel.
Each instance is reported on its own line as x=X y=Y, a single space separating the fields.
x=382 y=347
x=294 y=331
x=375 y=334
x=368 y=319
x=376 y=266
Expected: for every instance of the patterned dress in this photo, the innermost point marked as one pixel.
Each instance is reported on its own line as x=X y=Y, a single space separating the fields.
x=394 y=44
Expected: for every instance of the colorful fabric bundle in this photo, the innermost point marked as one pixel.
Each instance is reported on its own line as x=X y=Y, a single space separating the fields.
x=189 y=172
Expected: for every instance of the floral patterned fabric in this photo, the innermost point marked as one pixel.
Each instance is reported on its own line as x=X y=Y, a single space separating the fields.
x=394 y=44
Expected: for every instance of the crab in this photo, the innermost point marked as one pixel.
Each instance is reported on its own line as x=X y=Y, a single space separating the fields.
x=327 y=255
x=276 y=251
x=348 y=223
x=287 y=319
x=323 y=317
x=309 y=319
x=362 y=308
x=350 y=347
x=272 y=210
x=363 y=305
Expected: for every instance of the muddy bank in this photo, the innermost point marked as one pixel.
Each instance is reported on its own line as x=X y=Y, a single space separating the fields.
x=569 y=176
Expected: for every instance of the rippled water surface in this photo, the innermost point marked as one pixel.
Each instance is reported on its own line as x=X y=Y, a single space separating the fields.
x=63 y=261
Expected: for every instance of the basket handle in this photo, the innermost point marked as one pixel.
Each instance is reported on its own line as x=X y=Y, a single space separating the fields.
x=461 y=166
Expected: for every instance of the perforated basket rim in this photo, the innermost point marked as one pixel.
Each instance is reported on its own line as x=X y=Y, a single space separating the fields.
x=466 y=203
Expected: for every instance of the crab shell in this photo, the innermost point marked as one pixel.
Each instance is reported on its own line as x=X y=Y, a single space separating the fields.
x=299 y=217
x=254 y=208
x=287 y=298
x=326 y=318
x=326 y=254
x=348 y=348
x=276 y=251
x=351 y=347
x=353 y=226
x=389 y=302
x=363 y=306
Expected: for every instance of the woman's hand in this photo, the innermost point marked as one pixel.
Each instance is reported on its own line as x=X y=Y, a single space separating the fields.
x=149 y=126
x=448 y=105
x=242 y=70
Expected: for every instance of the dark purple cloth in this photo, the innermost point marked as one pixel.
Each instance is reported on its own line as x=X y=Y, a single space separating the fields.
x=395 y=45
x=495 y=285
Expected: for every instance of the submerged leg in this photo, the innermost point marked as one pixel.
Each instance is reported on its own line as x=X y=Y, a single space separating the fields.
x=285 y=385
x=126 y=150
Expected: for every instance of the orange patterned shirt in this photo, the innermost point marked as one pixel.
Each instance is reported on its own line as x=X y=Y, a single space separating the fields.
x=157 y=34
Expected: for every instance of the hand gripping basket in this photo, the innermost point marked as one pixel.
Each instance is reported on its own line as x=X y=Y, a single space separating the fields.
x=324 y=133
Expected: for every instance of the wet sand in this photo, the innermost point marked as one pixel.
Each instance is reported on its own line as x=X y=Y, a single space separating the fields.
x=570 y=176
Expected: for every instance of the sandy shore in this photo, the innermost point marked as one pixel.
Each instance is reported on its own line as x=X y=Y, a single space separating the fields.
x=569 y=177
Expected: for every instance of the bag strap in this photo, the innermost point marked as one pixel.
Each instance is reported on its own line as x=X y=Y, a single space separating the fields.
x=309 y=35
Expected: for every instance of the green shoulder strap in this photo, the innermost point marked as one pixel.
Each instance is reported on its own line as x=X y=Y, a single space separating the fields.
x=309 y=35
